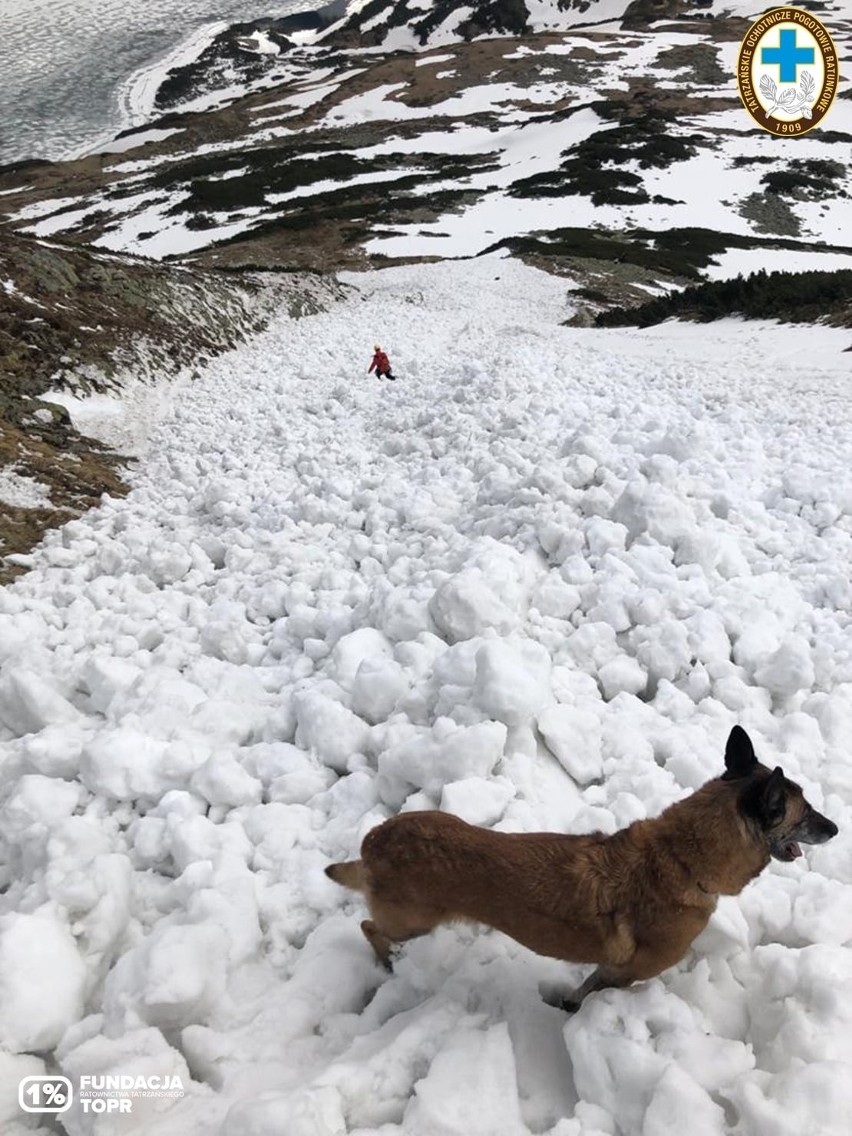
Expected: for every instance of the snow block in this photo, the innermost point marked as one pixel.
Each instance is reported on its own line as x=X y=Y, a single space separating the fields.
x=512 y=680
x=404 y=617
x=353 y=649
x=29 y=702
x=555 y=597
x=38 y=800
x=787 y=670
x=471 y=1088
x=137 y=1052
x=574 y=738
x=489 y=593
x=378 y=686
x=13 y=1068
x=105 y=676
x=328 y=728
x=623 y=673
x=55 y=751
x=173 y=978
x=478 y=800
x=126 y=763
x=42 y=982
x=446 y=753
x=307 y=1112
x=221 y=780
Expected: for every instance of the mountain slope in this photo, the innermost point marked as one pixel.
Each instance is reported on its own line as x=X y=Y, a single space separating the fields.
x=534 y=582
x=323 y=154
x=92 y=344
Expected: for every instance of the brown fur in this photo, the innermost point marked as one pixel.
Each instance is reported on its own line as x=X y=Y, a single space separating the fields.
x=632 y=903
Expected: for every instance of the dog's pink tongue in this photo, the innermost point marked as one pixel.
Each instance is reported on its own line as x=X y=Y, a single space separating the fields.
x=795 y=850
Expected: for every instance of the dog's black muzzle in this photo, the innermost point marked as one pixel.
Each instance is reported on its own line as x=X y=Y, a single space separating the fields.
x=814 y=828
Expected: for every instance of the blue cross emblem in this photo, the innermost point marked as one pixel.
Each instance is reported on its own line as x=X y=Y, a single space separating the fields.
x=787 y=55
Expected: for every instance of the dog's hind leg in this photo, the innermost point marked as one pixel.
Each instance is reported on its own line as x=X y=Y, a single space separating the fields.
x=380 y=943
x=392 y=924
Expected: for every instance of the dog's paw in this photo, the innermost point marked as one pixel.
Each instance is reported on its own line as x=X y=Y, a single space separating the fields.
x=559 y=998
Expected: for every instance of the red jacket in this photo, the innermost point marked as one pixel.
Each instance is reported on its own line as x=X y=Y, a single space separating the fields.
x=380 y=362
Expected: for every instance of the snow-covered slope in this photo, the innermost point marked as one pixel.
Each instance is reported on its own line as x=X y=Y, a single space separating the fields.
x=534 y=582
x=337 y=154
x=83 y=337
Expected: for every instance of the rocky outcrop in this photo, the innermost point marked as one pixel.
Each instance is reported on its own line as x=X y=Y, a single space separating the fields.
x=79 y=321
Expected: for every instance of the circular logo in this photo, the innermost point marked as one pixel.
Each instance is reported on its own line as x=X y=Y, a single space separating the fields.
x=787 y=71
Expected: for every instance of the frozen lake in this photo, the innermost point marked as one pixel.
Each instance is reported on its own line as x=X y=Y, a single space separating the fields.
x=65 y=60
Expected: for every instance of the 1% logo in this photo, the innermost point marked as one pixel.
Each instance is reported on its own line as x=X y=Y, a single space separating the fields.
x=45 y=1094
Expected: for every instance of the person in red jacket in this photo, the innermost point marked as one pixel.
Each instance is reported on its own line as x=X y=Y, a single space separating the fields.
x=382 y=366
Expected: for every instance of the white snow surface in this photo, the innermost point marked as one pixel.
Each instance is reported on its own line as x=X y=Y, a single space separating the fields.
x=534 y=582
x=22 y=491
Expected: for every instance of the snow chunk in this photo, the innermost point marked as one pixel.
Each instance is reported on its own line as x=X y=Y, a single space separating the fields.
x=37 y=800
x=221 y=780
x=626 y=1057
x=105 y=677
x=185 y=974
x=431 y=760
x=787 y=670
x=592 y=645
x=555 y=597
x=574 y=737
x=311 y=1112
x=477 y=800
x=677 y=1095
x=139 y=1052
x=126 y=763
x=815 y=1098
x=42 y=982
x=662 y=649
x=29 y=702
x=471 y=1088
x=378 y=686
x=13 y=1068
x=512 y=679
x=353 y=649
x=334 y=733
x=623 y=673
x=175 y=977
x=489 y=593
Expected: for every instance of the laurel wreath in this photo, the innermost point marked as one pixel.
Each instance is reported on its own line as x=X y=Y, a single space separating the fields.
x=791 y=99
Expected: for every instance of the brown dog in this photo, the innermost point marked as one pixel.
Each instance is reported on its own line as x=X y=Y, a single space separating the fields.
x=631 y=903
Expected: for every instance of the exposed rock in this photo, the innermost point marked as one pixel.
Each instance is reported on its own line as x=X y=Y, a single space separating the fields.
x=75 y=320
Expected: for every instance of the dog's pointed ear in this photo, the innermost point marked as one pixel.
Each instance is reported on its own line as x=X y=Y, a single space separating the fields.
x=772 y=801
x=739 y=755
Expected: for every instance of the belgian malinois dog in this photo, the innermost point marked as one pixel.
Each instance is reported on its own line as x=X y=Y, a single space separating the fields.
x=631 y=903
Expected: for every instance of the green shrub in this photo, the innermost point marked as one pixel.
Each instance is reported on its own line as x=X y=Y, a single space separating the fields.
x=795 y=297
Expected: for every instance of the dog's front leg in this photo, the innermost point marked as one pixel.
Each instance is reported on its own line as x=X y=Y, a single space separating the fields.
x=597 y=980
x=600 y=979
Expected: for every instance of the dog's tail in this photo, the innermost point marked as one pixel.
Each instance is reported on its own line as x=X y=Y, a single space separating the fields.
x=349 y=874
